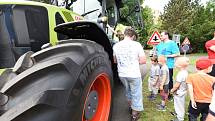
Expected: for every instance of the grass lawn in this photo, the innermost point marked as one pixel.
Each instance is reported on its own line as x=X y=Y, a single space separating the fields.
x=150 y=113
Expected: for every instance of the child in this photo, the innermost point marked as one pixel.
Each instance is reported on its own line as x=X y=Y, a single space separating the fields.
x=211 y=114
x=164 y=84
x=200 y=90
x=153 y=78
x=180 y=88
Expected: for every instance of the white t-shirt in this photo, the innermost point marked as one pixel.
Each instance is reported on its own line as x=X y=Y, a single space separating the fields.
x=154 y=71
x=164 y=71
x=181 y=78
x=127 y=53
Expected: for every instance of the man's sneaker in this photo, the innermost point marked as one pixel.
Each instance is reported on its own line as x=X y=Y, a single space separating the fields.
x=161 y=108
x=150 y=96
x=135 y=117
x=173 y=113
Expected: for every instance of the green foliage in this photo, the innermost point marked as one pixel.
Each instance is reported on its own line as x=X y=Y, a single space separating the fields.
x=131 y=18
x=177 y=16
x=148 y=24
x=190 y=19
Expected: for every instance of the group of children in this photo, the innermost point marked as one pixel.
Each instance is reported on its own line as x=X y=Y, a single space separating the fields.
x=199 y=85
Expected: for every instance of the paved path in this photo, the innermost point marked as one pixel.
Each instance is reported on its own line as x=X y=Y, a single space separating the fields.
x=120 y=106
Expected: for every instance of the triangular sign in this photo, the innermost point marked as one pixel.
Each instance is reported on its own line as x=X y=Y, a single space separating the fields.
x=154 y=39
x=186 y=41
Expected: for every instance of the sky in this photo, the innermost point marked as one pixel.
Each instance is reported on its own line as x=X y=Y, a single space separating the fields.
x=159 y=4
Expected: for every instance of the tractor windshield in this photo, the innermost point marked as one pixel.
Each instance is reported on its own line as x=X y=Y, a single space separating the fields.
x=22 y=28
x=84 y=6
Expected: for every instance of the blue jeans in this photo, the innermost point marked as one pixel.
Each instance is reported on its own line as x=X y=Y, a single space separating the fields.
x=133 y=88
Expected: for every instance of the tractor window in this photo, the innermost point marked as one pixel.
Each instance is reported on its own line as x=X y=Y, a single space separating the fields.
x=6 y=35
x=59 y=20
x=31 y=27
x=22 y=28
x=112 y=15
x=33 y=21
x=84 y=6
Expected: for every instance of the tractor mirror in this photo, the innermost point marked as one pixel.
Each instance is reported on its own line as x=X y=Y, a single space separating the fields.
x=137 y=8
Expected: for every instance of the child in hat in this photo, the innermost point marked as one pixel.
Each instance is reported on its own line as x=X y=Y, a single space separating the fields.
x=200 y=90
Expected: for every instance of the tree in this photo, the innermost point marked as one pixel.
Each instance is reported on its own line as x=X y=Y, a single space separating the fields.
x=177 y=16
x=132 y=14
x=190 y=19
x=203 y=25
x=148 y=24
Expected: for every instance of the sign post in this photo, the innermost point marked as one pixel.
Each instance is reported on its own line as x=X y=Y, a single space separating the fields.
x=185 y=48
x=185 y=45
x=176 y=38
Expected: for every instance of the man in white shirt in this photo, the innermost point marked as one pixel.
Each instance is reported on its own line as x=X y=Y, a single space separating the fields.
x=128 y=54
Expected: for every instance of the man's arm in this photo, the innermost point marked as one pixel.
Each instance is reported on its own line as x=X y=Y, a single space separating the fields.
x=175 y=51
x=212 y=48
x=141 y=55
x=173 y=55
x=142 y=59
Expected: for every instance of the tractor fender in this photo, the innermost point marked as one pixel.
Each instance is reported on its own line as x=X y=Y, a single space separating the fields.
x=86 y=30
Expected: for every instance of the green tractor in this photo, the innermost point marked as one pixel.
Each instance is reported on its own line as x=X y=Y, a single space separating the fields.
x=55 y=65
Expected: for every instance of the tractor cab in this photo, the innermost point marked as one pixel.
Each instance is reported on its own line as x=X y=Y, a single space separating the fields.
x=27 y=25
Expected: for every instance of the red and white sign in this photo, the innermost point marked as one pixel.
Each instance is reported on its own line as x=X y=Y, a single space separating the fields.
x=186 y=41
x=154 y=39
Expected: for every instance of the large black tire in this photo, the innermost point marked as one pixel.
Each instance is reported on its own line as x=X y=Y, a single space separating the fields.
x=71 y=81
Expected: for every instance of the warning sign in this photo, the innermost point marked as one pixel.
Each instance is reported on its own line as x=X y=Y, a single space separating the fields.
x=154 y=39
x=186 y=41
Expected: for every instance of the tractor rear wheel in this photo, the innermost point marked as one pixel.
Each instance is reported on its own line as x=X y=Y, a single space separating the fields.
x=71 y=81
